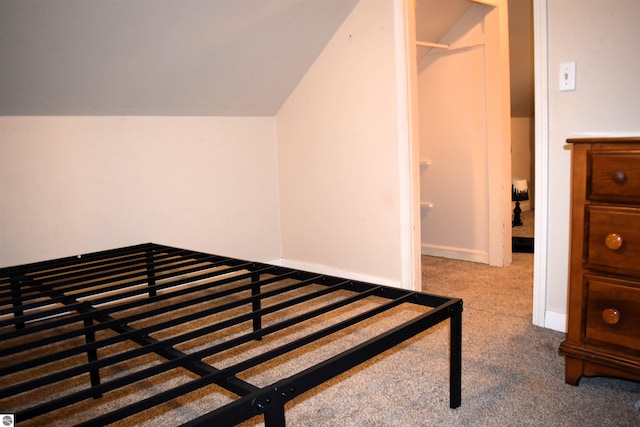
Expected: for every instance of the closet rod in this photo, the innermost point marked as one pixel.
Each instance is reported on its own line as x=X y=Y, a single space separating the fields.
x=428 y=44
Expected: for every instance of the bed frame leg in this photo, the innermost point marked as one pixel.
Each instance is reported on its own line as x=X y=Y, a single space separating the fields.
x=151 y=278
x=92 y=356
x=256 y=304
x=16 y=300
x=274 y=417
x=455 y=354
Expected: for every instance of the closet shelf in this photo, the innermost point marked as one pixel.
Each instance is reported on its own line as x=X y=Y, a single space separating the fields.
x=436 y=45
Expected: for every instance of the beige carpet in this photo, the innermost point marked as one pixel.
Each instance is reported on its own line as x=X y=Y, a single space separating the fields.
x=512 y=374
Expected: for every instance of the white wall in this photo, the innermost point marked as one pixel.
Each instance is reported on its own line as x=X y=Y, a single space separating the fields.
x=71 y=185
x=601 y=37
x=327 y=167
x=453 y=138
x=338 y=154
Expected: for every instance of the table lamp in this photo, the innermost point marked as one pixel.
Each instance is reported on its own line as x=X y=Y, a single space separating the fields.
x=519 y=192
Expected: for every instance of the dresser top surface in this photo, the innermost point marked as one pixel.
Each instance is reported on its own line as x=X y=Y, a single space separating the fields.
x=605 y=140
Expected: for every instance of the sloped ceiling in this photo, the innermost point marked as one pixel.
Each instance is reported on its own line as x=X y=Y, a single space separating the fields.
x=159 y=57
x=193 y=57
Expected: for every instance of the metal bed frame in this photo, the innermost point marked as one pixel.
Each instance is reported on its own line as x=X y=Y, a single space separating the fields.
x=131 y=295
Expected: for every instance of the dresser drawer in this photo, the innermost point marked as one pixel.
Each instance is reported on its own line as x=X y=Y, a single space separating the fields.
x=613 y=311
x=614 y=175
x=613 y=238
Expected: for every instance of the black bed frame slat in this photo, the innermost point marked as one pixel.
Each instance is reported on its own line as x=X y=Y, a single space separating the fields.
x=70 y=261
x=110 y=276
x=97 y=274
x=149 y=345
x=62 y=297
x=228 y=374
x=126 y=294
x=51 y=302
x=126 y=333
x=140 y=314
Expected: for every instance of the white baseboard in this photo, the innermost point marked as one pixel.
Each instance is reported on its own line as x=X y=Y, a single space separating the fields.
x=330 y=271
x=455 y=253
x=556 y=321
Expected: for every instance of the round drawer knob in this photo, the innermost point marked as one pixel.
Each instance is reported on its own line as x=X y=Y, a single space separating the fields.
x=619 y=177
x=613 y=241
x=611 y=316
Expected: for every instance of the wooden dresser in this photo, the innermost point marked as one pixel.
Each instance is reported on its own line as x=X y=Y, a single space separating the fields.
x=603 y=336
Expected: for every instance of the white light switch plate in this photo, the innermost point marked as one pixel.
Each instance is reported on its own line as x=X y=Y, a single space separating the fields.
x=568 y=76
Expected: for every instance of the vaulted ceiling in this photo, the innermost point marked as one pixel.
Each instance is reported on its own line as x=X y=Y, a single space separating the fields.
x=159 y=57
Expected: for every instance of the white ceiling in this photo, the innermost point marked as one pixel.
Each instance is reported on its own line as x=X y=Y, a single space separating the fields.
x=159 y=57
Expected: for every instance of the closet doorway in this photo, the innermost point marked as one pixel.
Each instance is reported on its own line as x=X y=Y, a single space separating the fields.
x=464 y=130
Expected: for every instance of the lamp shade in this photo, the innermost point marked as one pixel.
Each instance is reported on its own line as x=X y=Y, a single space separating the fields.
x=519 y=190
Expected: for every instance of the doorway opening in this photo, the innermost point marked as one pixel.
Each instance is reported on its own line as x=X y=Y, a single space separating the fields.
x=464 y=130
x=522 y=121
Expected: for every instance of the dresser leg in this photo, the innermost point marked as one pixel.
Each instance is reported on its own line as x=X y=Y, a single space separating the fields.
x=573 y=370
